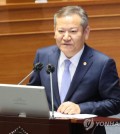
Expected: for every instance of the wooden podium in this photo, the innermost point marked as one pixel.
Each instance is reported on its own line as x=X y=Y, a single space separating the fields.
x=20 y=125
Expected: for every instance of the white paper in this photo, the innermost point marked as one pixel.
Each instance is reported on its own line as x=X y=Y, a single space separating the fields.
x=74 y=116
x=40 y=1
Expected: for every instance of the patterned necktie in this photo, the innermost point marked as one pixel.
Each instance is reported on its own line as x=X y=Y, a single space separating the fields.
x=66 y=79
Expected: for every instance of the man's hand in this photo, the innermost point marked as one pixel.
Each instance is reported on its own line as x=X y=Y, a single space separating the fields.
x=69 y=108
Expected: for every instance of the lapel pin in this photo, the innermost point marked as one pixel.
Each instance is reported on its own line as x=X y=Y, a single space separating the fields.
x=84 y=63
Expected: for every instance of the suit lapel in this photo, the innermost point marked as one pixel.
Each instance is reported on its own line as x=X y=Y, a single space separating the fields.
x=53 y=59
x=82 y=68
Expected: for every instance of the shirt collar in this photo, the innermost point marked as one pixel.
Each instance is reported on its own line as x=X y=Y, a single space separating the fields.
x=74 y=60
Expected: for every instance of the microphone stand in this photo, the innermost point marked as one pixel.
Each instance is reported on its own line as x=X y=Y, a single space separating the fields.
x=25 y=78
x=50 y=70
x=37 y=67
x=52 y=95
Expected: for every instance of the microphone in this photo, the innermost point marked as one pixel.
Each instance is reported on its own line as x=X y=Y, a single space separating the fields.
x=37 y=67
x=50 y=69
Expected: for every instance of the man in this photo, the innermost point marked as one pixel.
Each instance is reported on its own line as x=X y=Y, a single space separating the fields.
x=94 y=87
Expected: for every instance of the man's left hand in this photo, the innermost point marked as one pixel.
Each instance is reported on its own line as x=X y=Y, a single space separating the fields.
x=69 y=108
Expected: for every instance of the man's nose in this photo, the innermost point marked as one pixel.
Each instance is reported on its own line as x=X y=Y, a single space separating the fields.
x=66 y=36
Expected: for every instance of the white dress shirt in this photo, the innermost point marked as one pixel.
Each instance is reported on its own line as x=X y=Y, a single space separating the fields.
x=74 y=62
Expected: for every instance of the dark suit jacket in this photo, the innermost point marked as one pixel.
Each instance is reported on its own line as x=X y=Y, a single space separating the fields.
x=95 y=86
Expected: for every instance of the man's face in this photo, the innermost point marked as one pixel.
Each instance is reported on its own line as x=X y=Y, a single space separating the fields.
x=69 y=34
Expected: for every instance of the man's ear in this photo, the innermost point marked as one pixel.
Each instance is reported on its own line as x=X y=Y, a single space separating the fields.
x=87 y=32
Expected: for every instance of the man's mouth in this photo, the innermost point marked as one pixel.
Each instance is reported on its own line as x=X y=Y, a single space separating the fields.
x=67 y=44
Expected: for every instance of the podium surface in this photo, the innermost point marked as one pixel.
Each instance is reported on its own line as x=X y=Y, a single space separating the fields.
x=21 y=125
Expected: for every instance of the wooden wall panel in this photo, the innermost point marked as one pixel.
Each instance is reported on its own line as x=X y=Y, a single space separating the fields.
x=19 y=1
x=28 y=1
x=46 y=10
x=17 y=53
x=39 y=25
x=26 y=27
